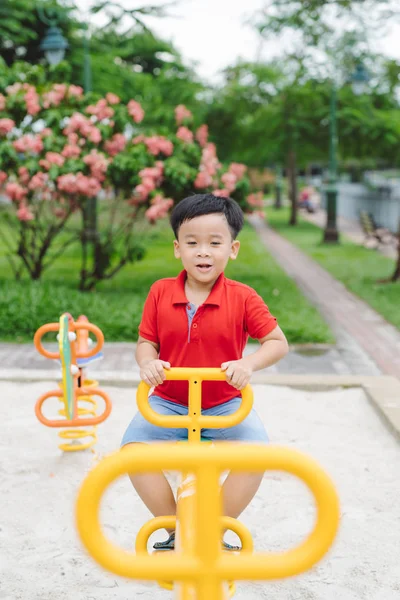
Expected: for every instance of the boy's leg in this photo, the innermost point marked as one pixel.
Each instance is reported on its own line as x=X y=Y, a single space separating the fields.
x=156 y=493
x=153 y=488
x=238 y=491
x=239 y=488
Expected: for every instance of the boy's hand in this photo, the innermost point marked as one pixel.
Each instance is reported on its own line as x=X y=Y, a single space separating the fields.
x=152 y=372
x=237 y=372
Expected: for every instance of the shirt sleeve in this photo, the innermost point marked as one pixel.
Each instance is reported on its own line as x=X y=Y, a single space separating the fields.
x=259 y=321
x=148 y=328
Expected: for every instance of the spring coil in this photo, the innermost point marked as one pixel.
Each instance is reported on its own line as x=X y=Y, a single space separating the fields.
x=78 y=433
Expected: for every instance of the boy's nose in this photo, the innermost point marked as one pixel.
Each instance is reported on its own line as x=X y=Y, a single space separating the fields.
x=203 y=253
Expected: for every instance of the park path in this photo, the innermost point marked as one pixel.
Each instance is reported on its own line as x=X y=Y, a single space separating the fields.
x=351 y=319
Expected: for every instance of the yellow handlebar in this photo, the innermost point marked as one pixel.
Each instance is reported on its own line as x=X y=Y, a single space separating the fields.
x=207 y=462
x=194 y=422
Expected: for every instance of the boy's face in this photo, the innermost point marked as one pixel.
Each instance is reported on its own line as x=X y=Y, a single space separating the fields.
x=204 y=246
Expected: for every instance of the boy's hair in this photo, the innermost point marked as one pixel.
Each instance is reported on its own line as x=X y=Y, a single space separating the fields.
x=206 y=204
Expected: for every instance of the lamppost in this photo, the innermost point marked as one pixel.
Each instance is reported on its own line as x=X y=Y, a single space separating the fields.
x=53 y=44
x=278 y=187
x=359 y=81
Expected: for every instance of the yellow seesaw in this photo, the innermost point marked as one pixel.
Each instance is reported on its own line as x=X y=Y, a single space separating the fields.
x=198 y=568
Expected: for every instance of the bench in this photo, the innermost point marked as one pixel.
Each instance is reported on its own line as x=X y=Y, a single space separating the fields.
x=374 y=234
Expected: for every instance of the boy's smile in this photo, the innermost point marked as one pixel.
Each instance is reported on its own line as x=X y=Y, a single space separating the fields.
x=205 y=246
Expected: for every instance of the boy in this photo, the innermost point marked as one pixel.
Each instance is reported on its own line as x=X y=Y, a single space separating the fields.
x=202 y=319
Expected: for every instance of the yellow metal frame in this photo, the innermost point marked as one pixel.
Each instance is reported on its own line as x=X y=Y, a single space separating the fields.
x=199 y=568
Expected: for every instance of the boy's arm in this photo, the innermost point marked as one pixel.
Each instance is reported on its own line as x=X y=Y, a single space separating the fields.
x=151 y=368
x=274 y=346
x=145 y=351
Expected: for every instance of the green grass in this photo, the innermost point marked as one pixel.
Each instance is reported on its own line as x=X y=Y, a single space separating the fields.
x=358 y=268
x=116 y=305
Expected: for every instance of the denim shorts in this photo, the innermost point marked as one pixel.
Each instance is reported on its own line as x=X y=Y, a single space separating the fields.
x=250 y=430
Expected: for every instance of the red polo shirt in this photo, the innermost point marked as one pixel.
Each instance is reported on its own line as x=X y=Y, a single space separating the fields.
x=218 y=333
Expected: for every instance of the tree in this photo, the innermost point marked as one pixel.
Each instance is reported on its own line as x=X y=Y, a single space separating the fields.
x=315 y=21
x=60 y=149
x=269 y=115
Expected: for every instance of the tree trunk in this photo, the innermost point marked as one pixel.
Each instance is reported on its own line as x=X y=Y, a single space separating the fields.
x=396 y=274
x=292 y=177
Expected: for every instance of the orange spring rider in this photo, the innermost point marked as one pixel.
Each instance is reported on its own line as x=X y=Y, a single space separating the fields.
x=79 y=407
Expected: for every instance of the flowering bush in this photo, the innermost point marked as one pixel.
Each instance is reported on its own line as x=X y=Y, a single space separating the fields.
x=60 y=151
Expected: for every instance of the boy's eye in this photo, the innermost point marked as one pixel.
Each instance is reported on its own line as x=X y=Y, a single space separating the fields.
x=215 y=243
x=191 y=243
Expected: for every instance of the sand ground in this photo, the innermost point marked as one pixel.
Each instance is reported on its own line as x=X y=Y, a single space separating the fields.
x=42 y=559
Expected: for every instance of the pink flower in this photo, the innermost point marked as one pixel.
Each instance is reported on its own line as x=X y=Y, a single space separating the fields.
x=71 y=151
x=46 y=132
x=29 y=143
x=141 y=193
x=98 y=164
x=238 y=169
x=78 y=184
x=24 y=214
x=94 y=135
x=185 y=135
x=16 y=87
x=138 y=139
x=153 y=172
x=55 y=159
x=23 y=175
x=209 y=162
x=2 y=102
x=75 y=90
x=159 y=144
x=38 y=181
x=32 y=101
x=116 y=144
x=136 y=111
x=202 y=135
x=159 y=208
x=182 y=113
x=112 y=98
x=229 y=181
x=222 y=193
x=6 y=125
x=15 y=191
x=80 y=123
x=3 y=177
x=203 y=180
x=67 y=183
x=100 y=110
x=87 y=186
x=148 y=183
x=256 y=199
x=55 y=96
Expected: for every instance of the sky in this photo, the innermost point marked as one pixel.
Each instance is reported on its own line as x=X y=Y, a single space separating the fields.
x=213 y=33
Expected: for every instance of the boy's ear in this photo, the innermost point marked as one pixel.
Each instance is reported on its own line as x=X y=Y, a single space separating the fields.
x=177 y=252
x=234 y=249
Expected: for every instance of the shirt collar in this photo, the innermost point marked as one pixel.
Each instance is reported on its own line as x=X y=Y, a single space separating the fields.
x=214 y=298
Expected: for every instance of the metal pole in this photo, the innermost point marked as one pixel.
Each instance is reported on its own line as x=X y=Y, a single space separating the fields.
x=91 y=203
x=331 y=233
x=87 y=70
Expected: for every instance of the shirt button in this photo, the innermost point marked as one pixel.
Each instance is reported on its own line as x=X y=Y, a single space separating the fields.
x=194 y=325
